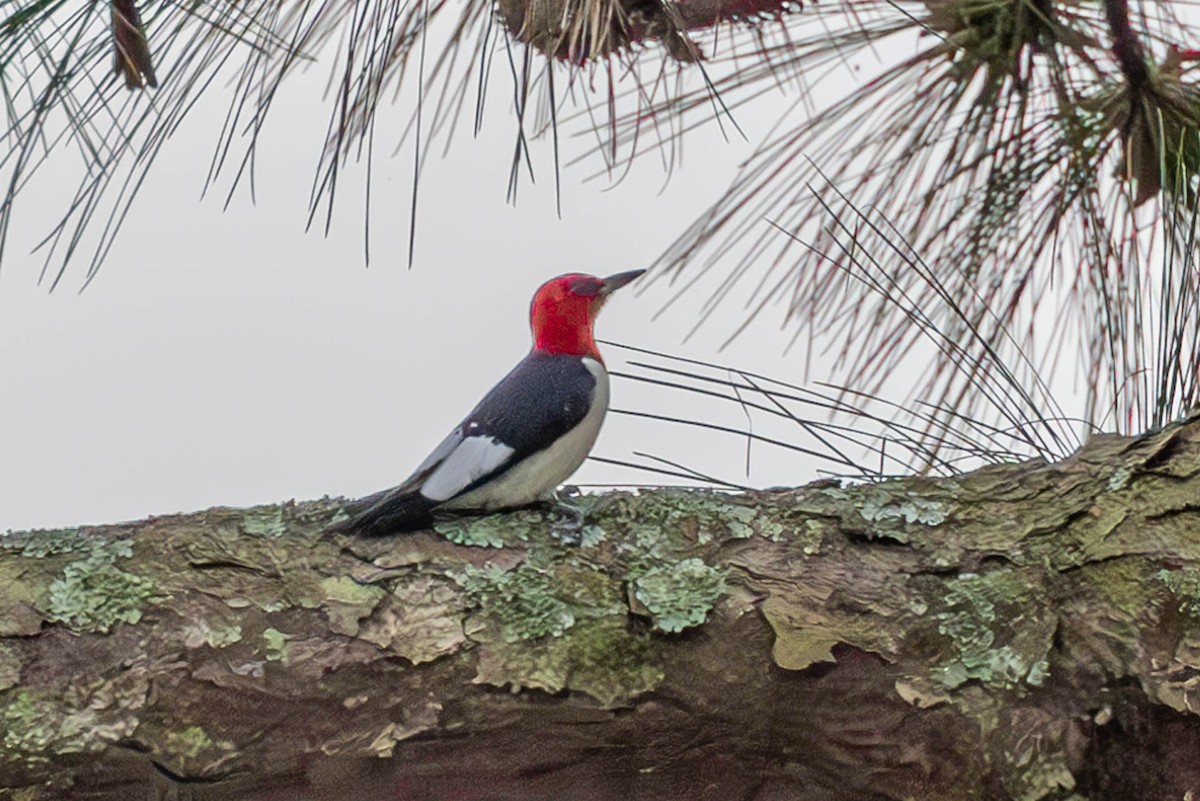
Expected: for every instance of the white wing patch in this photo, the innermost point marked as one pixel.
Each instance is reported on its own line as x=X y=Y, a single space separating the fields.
x=470 y=461
x=539 y=473
x=444 y=449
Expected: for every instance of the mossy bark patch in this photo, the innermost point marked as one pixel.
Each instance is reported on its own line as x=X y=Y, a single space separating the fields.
x=491 y=531
x=94 y=593
x=523 y=601
x=1184 y=585
x=600 y=658
x=999 y=630
x=680 y=595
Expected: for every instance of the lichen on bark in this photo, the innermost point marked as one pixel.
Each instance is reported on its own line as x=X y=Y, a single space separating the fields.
x=1010 y=633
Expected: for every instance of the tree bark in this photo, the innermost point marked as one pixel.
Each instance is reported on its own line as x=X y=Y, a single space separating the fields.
x=1029 y=631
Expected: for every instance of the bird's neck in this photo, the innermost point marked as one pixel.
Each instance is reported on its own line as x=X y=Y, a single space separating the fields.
x=566 y=332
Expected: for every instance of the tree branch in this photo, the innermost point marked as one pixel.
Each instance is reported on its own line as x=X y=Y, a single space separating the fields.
x=1126 y=46
x=1020 y=632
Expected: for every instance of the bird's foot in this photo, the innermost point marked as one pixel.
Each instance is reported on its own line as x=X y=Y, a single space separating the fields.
x=566 y=520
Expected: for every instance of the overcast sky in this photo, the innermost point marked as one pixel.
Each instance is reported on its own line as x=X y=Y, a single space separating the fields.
x=228 y=358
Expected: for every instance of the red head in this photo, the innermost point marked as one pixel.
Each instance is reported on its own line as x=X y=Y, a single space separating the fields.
x=565 y=308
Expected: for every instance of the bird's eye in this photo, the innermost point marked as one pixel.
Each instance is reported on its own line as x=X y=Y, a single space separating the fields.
x=586 y=286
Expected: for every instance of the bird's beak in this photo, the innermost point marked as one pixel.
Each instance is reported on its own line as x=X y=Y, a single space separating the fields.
x=615 y=282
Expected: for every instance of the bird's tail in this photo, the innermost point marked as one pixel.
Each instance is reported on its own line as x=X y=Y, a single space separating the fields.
x=392 y=511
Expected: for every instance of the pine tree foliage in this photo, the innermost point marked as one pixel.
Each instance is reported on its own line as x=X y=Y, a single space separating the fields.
x=1041 y=157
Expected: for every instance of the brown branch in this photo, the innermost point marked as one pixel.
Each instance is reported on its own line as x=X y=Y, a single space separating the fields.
x=580 y=31
x=1126 y=46
x=131 y=51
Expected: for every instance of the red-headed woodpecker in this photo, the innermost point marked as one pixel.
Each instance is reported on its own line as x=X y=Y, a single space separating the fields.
x=528 y=434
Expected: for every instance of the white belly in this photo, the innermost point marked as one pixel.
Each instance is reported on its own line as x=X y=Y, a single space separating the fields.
x=540 y=474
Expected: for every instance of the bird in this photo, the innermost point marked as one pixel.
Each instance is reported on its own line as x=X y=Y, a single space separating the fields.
x=529 y=433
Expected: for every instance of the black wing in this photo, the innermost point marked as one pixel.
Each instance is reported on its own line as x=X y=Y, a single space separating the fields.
x=542 y=398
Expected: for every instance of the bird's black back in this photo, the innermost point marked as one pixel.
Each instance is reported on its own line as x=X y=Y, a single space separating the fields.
x=542 y=397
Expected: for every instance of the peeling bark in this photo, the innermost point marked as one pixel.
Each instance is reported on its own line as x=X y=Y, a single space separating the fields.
x=1029 y=631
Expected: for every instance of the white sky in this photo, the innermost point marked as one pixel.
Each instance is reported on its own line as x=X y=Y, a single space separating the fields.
x=230 y=359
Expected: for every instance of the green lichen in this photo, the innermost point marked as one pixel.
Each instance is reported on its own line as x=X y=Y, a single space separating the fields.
x=523 y=601
x=1039 y=671
x=1184 y=584
x=887 y=508
x=490 y=531
x=339 y=516
x=645 y=546
x=264 y=521
x=93 y=594
x=975 y=619
x=811 y=536
x=39 y=728
x=739 y=520
x=347 y=602
x=591 y=535
x=679 y=596
x=46 y=542
x=188 y=743
x=599 y=657
x=276 y=645
x=773 y=530
x=1119 y=479
x=671 y=520
x=24 y=722
x=346 y=590
x=223 y=636
x=663 y=526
